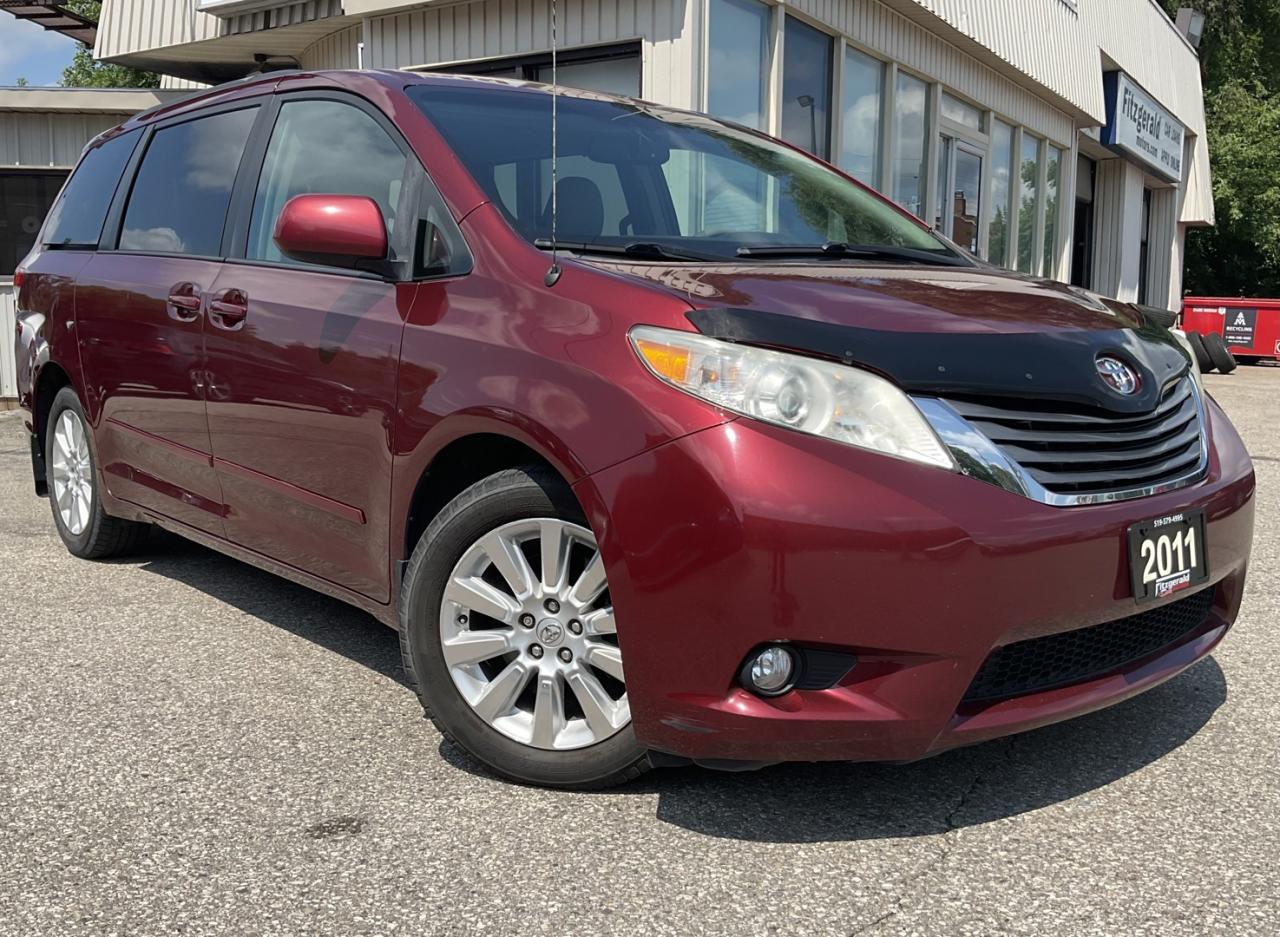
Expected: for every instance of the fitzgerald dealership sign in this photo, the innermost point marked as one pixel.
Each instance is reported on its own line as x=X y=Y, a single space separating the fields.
x=1139 y=128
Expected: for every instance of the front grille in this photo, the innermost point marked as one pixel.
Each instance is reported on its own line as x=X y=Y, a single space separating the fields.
x=1076 y=656
x=1076 y=451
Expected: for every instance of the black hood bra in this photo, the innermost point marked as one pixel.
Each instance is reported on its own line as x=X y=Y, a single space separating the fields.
x=1058 y=365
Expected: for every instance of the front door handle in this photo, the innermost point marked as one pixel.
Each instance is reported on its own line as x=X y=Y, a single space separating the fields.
x=228 y=309
x=185 y=302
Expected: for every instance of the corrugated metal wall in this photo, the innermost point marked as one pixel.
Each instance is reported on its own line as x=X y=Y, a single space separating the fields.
x=1056 y=44
x=132 y=25
x=137 y=25
x=40 y=140
x=8 y=369
x=337 y=50
x=492 y=28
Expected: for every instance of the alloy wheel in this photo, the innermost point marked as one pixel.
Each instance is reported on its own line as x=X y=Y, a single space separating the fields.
x=528 y=635
x=72 y=472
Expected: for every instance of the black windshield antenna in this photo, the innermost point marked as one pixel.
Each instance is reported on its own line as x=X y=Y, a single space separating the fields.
x=553 y=272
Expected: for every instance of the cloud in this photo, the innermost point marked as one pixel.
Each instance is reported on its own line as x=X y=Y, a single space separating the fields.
x=31 y=52
x=151 y=239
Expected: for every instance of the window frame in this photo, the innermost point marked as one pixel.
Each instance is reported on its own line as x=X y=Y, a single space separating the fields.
x=415 y=190
x=113 y=227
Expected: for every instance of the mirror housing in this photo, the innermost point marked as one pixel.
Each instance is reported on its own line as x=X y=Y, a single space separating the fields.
x=334 y=230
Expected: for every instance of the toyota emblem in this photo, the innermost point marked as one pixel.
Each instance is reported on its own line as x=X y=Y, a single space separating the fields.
x=1117 y=375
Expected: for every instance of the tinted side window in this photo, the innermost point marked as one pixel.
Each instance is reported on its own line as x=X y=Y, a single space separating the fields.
x=324 y=148
x=183 y=188
x=78 y=216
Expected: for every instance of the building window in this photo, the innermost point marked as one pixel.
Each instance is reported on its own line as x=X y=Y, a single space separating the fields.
x=911 y=96
x=860 y=121
x=806 y=88
x=1053 y=170
x=25 y=199
x=613 y=69
x=1028 y=203
x=959 y=191
x=963 y=113
x=738 y=62
x=1002 y=160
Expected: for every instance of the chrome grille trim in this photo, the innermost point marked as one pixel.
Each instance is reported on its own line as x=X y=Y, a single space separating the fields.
x=1164 y=440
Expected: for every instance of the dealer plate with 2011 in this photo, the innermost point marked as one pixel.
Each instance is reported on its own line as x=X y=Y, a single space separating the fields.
x=1167 y=555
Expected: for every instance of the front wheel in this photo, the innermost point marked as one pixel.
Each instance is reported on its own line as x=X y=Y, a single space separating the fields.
x=508 y=632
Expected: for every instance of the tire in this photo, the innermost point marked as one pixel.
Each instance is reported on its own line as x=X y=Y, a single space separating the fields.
x=1196 y=341
x=75 y=485
x=517 y=707
x=1218 y=353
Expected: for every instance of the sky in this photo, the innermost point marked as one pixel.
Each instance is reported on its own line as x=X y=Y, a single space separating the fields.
x=30 y=52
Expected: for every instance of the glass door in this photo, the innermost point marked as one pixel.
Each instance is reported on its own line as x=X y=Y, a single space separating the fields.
x=959 y=208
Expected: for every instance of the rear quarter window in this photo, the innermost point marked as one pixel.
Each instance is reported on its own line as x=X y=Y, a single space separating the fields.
x=80 y=212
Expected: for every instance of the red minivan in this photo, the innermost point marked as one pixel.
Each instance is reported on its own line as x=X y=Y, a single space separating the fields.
x=715 y=456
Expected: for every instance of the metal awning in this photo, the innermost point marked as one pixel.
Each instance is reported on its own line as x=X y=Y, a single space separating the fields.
x=54 y=17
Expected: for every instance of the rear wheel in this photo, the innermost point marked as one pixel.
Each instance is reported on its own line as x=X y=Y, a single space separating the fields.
x=1196 y=342
x=1218 y=353
x=75 y=487
x=508 y=632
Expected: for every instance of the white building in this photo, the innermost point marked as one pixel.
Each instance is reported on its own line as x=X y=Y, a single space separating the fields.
x=1058 y=137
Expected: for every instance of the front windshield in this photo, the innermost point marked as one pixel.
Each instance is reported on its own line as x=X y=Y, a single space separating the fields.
x=631 y=173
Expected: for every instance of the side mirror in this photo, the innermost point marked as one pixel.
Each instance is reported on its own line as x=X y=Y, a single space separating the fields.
x=335 y=230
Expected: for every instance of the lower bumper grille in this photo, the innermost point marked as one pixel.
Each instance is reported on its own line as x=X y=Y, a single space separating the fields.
x=1076 y=656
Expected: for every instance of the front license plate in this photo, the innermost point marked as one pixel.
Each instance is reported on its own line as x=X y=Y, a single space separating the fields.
x=1167 y=555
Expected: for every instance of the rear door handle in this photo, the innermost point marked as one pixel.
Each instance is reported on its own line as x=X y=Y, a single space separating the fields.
x=185 y=301
x=228 y=309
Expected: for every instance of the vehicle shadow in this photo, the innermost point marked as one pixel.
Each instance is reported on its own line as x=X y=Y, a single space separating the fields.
x=798 y=803
x=324 y=621
x=844 y=801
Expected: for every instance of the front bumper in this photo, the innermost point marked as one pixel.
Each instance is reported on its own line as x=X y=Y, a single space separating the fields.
x=743 y=534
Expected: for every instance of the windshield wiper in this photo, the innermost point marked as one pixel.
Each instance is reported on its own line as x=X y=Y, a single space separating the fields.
x=836 y=250
x=650 y=250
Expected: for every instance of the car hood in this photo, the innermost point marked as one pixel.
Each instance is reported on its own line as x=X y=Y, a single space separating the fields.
x=934 y=330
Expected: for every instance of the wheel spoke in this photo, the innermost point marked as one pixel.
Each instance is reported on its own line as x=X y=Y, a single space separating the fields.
x=500 y=693
x=478 y=596
x=81 y=503
x=556 y=543
x=597 y=707
x=590 y=584
x=606 y=657
x=473 y=647
x=509 y=559
x=548 y=711
x=62 y=436
x=600 y=622
x=77 y=437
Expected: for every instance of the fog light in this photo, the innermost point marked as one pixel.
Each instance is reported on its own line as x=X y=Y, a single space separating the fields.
x=770 y=671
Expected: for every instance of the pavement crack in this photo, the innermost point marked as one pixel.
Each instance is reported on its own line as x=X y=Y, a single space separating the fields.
x=951 y=823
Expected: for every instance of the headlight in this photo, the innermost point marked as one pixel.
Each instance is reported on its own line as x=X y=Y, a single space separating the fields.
x=842 y=403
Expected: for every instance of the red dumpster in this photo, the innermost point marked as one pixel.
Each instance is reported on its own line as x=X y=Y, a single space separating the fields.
x=1250 y=327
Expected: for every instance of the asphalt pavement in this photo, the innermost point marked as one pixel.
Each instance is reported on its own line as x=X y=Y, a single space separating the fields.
x=191 y=746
